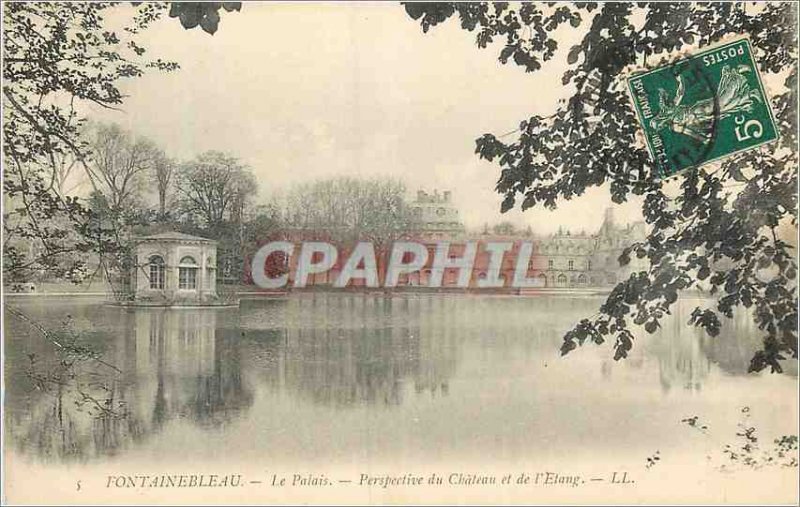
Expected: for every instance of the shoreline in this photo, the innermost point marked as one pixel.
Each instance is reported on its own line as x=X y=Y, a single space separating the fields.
x=263 y=294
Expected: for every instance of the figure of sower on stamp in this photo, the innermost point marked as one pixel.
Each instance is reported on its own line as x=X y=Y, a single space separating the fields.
x=733 y=96
x=703 y=108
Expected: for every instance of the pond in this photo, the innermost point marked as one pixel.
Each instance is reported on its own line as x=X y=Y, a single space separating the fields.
x=342 y=380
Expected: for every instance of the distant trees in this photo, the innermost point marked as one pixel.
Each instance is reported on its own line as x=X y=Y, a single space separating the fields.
x=372 y=209
x=138 y=189
x=64 y=165
x=505 y=228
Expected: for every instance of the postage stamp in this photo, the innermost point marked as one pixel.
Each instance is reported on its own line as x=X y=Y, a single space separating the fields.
x=703 y=108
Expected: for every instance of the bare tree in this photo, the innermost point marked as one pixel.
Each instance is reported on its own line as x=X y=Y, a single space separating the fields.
x=118 y=164
x=164 y=173
x=215 y=187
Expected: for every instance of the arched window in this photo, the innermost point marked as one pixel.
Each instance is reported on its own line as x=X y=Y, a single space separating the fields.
x=187 y=273
x=581 y=279
x=156 y=263
x=542 y=280
x=562 y=280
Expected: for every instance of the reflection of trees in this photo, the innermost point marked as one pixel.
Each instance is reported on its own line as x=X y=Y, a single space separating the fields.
x=112 y=432
x=173 y=364
x=676 y=347
x=66 y=405
x=336 y=350
x=738 y=341
x=685 y=354
x=350 y=349
x=52 y=430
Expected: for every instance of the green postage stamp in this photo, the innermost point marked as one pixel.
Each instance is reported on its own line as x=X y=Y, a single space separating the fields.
x=703 y=108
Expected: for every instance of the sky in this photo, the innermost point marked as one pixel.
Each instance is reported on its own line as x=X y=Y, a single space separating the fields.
x=303 y=91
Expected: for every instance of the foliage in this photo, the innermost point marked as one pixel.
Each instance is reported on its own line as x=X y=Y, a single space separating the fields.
x=54 y=56
x=714 y=229
x=202 y=14
x=748 y=452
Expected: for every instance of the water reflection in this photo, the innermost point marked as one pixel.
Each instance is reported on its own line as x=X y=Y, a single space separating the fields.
x=207 y=369
x=682 y=363
x=355 y=350
x=187 y=367
x=173 y=365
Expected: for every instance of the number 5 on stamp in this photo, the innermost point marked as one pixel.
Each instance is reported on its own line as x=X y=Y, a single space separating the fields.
x=703 y=108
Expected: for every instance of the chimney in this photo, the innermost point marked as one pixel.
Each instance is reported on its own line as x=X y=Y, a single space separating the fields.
x=420 y=196
x=446 y=196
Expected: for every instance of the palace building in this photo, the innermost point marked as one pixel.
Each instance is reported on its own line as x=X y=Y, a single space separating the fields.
x=560 y=260
x=435 y=215
x=563 y=259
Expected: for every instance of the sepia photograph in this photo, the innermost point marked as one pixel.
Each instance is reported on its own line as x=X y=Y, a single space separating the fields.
x=400 y=253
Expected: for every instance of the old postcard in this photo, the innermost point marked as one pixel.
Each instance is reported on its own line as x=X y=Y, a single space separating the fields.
x=368 y=253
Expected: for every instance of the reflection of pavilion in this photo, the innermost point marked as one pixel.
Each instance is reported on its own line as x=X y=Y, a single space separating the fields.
x=190 y=368
x=197 y=366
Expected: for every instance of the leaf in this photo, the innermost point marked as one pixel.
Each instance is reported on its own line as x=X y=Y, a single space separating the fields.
x=507 y=203
x=623 y=345
x=572 y=56
x=210 y=21
x=506 y=52
x=232 y=6
x=189 y=16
